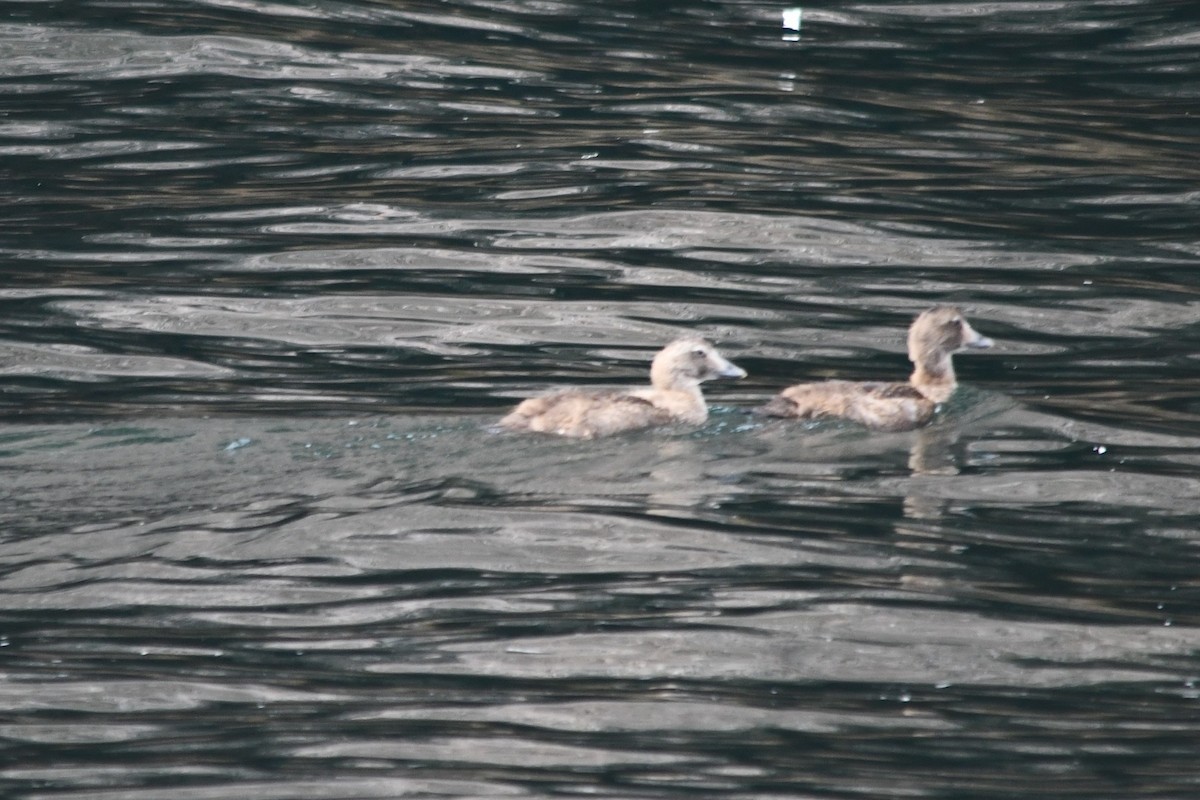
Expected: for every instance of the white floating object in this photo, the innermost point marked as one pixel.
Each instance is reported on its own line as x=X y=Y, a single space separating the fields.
x=791 y=24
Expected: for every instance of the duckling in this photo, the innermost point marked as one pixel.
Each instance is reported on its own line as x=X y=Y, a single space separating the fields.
x=673 y=396
x=934 y=336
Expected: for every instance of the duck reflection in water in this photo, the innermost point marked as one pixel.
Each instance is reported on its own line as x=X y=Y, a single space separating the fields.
x=672 y=397
x=934 y=337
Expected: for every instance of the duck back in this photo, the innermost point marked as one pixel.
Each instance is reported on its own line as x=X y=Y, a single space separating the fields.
x=882 y=406
x=584 y=415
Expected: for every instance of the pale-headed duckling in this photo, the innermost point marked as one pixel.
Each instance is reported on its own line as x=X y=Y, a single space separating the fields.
x=673 y=396
x=934 y=336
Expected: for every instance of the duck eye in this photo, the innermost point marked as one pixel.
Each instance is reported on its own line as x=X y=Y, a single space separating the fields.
x=699 y=353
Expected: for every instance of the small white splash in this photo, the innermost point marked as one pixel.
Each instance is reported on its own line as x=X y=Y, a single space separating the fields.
x=791 y=24
x=237 y=444
x=1100 y=449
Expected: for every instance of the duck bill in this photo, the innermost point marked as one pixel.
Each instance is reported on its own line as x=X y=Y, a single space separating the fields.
x=975 y=341
x=730 y=371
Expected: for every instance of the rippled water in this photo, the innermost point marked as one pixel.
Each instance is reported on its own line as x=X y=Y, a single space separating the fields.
x=270 y=271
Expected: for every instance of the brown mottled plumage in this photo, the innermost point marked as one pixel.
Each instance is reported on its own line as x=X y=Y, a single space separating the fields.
x=934 y=336
x=673 y=396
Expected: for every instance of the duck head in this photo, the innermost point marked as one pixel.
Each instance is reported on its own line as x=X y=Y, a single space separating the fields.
x=935 y=335
x=940 y=331
x=687 y=362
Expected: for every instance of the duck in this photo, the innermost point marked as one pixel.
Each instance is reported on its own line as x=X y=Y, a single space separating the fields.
x=672 y=397
x=935 y=335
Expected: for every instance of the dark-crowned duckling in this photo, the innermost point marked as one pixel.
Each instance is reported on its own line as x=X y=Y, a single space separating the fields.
x=673 y=396
x=935 y=335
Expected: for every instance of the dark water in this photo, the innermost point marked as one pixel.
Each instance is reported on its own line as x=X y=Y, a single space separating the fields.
x=269 y=271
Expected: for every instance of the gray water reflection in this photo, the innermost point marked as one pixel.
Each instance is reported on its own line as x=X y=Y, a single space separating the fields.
x=527 y=305
x=270 y=271
x=375 y=594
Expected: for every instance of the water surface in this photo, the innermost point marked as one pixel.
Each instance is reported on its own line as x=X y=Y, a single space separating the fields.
x=270 y=272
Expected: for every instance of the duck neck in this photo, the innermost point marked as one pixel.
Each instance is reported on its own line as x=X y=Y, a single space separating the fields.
x=684 y=401
x=934 y=378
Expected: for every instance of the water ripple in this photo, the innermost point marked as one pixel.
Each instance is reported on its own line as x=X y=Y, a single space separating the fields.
x=271 y=271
